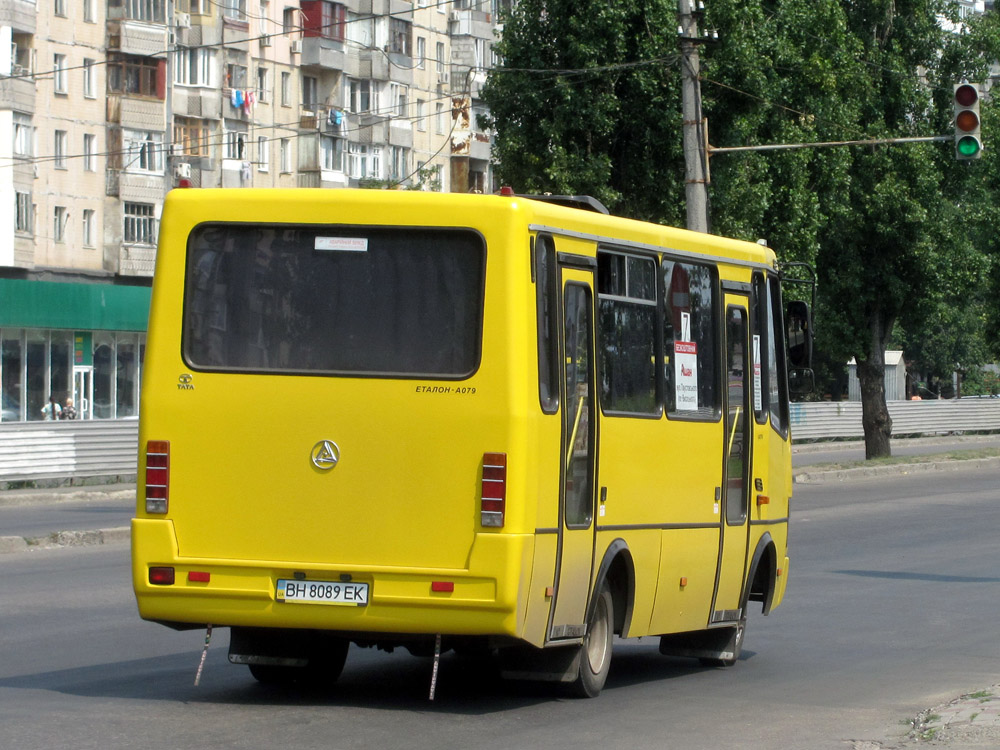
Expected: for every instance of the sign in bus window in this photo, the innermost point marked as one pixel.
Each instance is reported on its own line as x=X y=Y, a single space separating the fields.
x=690 y=364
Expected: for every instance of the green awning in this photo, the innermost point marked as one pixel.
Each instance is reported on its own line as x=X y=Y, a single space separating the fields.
x=94 y=307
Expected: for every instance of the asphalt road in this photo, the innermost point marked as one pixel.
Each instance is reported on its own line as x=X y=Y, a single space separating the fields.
x=891 y=609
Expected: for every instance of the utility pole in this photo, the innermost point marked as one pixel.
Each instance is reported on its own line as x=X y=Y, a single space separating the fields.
x=695 y=151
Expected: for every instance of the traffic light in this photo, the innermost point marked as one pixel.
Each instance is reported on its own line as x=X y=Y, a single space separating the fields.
x=968 y=144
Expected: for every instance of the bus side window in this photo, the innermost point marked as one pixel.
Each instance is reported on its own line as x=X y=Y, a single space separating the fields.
x=777 y=389
x=547 y=296
x=690 y=339
x=760 y=342
x=627 y=321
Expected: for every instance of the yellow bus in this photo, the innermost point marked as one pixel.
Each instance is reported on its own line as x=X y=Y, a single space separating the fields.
x=415 y=419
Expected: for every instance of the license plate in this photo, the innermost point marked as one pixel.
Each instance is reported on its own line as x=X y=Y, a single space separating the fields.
x=350 y=594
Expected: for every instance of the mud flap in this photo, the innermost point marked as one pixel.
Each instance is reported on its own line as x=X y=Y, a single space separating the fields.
x=721 y=644
x=558 y=664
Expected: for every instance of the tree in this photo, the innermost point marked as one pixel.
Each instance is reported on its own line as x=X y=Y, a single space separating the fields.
x=890 y=228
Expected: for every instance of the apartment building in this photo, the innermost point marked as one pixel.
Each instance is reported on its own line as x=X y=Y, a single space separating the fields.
x=107 y=104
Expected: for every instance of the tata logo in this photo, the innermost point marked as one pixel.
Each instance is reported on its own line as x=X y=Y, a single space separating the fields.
x=325 y=455
x=184 y=382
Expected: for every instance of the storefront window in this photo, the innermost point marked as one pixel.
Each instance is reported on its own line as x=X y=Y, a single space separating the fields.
x=38 y=386
x=104 y=370
x=127 y=377
x=10 y=372
x=61 y=350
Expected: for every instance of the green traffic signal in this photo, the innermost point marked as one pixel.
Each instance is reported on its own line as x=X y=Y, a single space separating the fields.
x=968 y=147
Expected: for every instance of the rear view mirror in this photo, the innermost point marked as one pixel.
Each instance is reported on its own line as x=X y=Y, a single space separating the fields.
x=798 y=328
x=801 y=380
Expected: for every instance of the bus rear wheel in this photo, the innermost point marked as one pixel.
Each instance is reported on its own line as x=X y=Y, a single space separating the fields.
x=595 y=653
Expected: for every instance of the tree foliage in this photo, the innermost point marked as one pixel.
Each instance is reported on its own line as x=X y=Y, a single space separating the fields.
x=587 y=100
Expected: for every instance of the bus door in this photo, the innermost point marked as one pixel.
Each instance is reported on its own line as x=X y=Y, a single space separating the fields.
x=736 y=466
x=574 y=559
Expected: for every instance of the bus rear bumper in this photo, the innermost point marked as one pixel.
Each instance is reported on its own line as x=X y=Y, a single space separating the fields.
x=472 y=601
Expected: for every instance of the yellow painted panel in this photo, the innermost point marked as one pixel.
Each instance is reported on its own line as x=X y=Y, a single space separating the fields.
x=689 y=554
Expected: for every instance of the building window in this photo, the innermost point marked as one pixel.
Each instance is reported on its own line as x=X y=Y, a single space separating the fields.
x=439 y=118
x=289 y=20
x=362 y=96
x=89 y=11
x=193 y=67
x=332 y=153
x=236 y=76
x=131 y=74
x=23 y=135
x=88 y=227
x=400 y=34
x=234 y=145
x=140 y=224
x=399 y=163
x=59 y=217
x=398 y=95
x=263 y=84
x=310 y=92
x=264 y=17
x=89 y=88
x=234 y=9
x=89 y=152
x=364 y=162
x=60 y=8
x=145 y=10
x=286 y=155
x=59 y=73
x=143 y=151
x=60 y=149
x=263 y=153
x=23 y=221
x=439 y=57
x=328 y=22
x=421 y=52
x=286 y=85
x=191 y=136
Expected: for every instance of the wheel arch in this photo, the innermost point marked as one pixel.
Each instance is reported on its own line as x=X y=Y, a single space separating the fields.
x=762 y=580
x=617 y=569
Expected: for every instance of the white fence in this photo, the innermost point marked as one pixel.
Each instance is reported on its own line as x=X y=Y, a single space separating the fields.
x=63 y=450
x=77 y=449
x=842 y=419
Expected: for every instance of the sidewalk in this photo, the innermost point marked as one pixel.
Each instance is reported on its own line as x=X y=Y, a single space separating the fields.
x=70 y=499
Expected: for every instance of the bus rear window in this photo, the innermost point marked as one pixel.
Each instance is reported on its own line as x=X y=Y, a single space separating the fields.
x=390 y=302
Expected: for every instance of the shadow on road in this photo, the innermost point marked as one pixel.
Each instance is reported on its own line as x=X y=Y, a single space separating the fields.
x=394 y=682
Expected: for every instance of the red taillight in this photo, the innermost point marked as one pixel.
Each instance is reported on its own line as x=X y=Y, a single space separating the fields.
x=161 y=576
x=494 y=495
x=157 y=476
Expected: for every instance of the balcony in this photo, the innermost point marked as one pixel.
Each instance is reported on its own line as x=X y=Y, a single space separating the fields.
x=320 y=52
x=17 y=93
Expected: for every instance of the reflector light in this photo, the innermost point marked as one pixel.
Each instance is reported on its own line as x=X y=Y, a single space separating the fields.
x=199 y=576
x=506 y=190
x=161 y=576
x=494 y=490
x=157 y=476
x=443 y=586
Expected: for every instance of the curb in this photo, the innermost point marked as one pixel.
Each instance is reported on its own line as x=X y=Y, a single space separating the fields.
x=865 y=472
x=93 y=537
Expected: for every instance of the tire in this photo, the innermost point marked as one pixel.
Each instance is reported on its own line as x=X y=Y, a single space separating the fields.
x=326 y=663
x=595 y=653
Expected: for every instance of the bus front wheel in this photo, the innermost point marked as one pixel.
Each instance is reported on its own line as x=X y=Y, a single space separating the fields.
x=595 y=653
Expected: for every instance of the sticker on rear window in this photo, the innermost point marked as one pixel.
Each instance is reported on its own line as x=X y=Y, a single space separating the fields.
x=343 y=244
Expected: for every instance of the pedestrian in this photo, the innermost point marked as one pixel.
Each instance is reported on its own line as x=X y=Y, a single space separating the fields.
x=51 y=411
x=68 y=411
